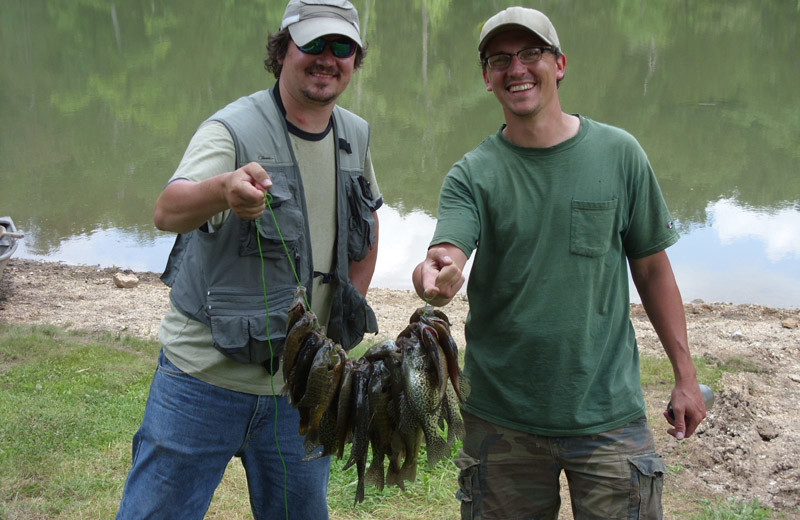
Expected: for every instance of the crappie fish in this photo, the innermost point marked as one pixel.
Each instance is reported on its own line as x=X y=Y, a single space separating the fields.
x=451 y=416
x=421 y=385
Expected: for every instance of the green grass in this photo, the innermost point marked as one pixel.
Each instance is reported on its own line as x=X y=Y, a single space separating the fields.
x=71 y=403
x=731 y=509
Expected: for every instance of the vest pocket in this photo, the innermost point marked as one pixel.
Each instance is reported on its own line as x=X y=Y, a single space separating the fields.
x=591 y=227
x=361 y=223
x=290 y=223
x=239 y=324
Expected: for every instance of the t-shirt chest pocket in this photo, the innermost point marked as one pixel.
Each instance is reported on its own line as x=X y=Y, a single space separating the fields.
x=592 y=227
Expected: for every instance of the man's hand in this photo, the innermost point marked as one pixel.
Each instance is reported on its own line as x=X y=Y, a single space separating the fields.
x=440 y=276
x=244 y=190
x=688 y=410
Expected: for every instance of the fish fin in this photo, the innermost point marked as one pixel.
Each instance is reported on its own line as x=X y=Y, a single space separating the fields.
x=436 y=448
x=374 y=475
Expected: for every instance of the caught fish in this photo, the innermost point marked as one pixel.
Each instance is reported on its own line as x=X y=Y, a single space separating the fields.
x=324 y=436
x=380 y=426
x=298 y=377
x=361 y=415
x=344 y=408
x=322 y=384
x=421 y=385
x=451 y=416
x=294 y=341
x=429 y=310
x=450 y=350
x=297 y=308
x=397 y=395
x=431 y=342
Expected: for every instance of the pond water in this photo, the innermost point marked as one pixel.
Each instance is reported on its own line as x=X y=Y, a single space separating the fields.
x=100 y=99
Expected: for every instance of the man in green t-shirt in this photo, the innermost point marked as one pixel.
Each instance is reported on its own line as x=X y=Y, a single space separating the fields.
x=555 y=207
x=213 y=396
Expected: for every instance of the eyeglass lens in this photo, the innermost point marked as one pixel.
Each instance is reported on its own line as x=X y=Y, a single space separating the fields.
x=342 y=48
x=527 y=56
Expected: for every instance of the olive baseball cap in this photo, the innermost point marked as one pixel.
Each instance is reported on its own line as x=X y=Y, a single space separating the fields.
x=310 y=19
x=518 y=18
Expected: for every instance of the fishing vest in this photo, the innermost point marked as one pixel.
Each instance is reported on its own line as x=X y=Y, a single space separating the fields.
x=216 y=278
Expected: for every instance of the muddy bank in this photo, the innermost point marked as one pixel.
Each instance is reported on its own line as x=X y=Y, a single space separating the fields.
x=747 y=447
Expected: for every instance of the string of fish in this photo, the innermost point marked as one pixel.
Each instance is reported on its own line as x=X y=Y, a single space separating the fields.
x=408 y=380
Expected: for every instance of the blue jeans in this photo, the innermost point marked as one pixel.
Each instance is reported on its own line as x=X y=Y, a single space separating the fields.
x=189 y=433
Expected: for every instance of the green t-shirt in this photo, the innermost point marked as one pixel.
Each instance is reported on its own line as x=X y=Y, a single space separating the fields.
x=186 y=342
x=550 y=348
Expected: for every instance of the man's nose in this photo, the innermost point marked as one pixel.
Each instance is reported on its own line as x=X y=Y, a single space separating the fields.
x=516 y=65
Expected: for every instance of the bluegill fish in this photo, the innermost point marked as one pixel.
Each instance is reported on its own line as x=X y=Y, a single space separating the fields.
x=450 y=350
x=321 y=385
x=297 y=308
x=361 y=416
x=294 y=341
x=298 y=377
x=380 y=426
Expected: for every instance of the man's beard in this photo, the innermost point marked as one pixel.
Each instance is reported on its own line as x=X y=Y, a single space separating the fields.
x=320 y=97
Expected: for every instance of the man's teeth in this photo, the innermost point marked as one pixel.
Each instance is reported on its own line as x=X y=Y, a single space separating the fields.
x=518 y=88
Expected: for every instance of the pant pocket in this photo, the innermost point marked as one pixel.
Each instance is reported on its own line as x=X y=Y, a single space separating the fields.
x=647 y=481
x=469 y=487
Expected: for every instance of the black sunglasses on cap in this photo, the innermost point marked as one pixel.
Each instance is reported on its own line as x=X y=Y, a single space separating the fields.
x=341 y=48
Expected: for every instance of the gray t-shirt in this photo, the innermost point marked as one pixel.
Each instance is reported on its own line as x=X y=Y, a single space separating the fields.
x=186 y=342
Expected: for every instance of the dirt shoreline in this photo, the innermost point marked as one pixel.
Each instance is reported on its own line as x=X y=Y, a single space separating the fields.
x=746 y=448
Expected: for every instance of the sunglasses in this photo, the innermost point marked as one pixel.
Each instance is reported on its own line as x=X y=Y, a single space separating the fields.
x=341 y=48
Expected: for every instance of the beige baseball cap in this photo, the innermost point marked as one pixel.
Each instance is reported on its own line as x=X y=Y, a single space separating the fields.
x=518 y=18
x=310 y=19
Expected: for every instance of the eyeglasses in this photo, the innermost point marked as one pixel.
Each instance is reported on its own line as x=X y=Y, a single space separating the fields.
x=502 y=60
x=341 y=48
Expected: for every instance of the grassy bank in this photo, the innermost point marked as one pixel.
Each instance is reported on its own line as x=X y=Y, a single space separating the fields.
x=71 y=402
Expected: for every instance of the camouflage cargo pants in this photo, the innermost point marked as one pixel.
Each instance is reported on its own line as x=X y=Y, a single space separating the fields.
x=510 y=474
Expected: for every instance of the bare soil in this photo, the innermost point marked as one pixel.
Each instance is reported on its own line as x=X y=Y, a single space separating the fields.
x=746 y=448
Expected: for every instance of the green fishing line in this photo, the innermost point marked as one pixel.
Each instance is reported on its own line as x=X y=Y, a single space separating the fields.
x=268 y=200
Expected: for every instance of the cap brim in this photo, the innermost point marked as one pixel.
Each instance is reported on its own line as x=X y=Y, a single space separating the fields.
x=312 y=28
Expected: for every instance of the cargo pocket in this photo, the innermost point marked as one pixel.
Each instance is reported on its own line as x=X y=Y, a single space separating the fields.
x=591 y=227
x=239 y=324
x=469 y=484
x=647 y=481
x=361 y=223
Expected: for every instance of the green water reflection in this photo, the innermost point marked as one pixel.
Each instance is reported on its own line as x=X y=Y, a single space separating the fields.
x=99 y=98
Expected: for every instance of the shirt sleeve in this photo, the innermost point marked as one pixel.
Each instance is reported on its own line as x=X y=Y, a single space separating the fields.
x=457 y=219
x=210 y=152
x=369 y=174
x=651 y=228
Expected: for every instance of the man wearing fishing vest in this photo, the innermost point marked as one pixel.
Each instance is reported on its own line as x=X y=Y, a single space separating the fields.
x=236 y=264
